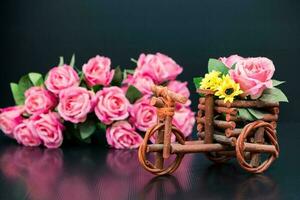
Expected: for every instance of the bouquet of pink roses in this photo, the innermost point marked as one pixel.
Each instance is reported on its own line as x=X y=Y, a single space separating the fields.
x=82 y=105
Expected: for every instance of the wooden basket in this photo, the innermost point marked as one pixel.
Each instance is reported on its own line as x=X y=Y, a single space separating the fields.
x=218 y=122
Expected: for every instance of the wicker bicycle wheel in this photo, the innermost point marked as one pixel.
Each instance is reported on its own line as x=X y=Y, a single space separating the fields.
x=143 y=151
x=270 y=138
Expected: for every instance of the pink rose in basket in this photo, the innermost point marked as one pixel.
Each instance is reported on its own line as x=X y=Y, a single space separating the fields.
x=231 y=60
x=184 y=120
x=121 y=135
x=26 y=135
x=75 y=103
x=49 y=128
x=254 y=75
x=180 y=88
x=111 y=105
x=97 y=71
x=142 y=83
x=159 y=67
x=39 y=100
x=60 y=78
x=142 y=114
x=9 y=118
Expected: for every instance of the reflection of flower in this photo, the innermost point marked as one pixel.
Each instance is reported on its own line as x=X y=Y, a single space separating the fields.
x=76 y=188
x=122 y=162
x=39 y=168
x=228 y=89
x=45 y=175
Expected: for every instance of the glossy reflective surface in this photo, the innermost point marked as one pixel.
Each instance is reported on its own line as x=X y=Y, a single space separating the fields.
x=98 y=173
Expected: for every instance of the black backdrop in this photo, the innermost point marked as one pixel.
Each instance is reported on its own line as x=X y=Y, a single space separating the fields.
x=35 y=33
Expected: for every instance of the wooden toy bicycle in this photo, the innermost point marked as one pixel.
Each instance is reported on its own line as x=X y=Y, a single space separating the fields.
x=253 y=143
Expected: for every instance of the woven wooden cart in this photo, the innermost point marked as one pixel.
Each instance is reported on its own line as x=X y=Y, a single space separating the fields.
x=222 y=133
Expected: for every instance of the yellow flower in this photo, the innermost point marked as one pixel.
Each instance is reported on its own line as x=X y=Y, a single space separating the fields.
x=211 y=81
x=228 y=89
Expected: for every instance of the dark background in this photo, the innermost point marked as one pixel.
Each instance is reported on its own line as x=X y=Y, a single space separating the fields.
x=35 y=33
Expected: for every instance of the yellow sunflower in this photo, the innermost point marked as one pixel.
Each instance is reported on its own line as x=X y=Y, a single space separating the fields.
x=228 y=89
x=211 y=81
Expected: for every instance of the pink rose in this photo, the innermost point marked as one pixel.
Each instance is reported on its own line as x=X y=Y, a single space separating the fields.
x=159 y=67
x=142 y=114
x=231 y=60
x=25 y=134
x=75 y=103
x=9 y=118
x=154 y=136
x=254 y=75
x=112 y=105
x=180 y=88
x=142 y=83
x=49 y=128
x=39 y=100
x=184 y=120
x=97 y=71
x=121 y=135
x=60 y=78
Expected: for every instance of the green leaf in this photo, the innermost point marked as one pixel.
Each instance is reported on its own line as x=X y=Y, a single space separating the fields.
x=197 y=82
x=61 y=61
x=134 y=60
x=256 y=113
x=86 y=129
x=127 y=71
x=36 y=78
x=276 y=82
x=245 y=114
x=133 y=94
x=72 y=62
x=214 y=64
x=118 y=77
x=101 y=127
x=17 y=95
x=25 y=83
x=233 y=66
x=273 y=95
x=96 y=88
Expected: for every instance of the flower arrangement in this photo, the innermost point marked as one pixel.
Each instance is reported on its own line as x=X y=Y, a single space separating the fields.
x=235 y=77
x=75 y=105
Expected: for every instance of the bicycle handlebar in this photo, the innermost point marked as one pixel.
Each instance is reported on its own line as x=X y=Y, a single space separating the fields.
x=165 y=92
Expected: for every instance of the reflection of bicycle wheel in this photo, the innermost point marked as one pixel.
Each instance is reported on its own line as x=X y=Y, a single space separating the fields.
x=270 y=141
x=144 y=159
x=162 y=186
x=257 y=186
